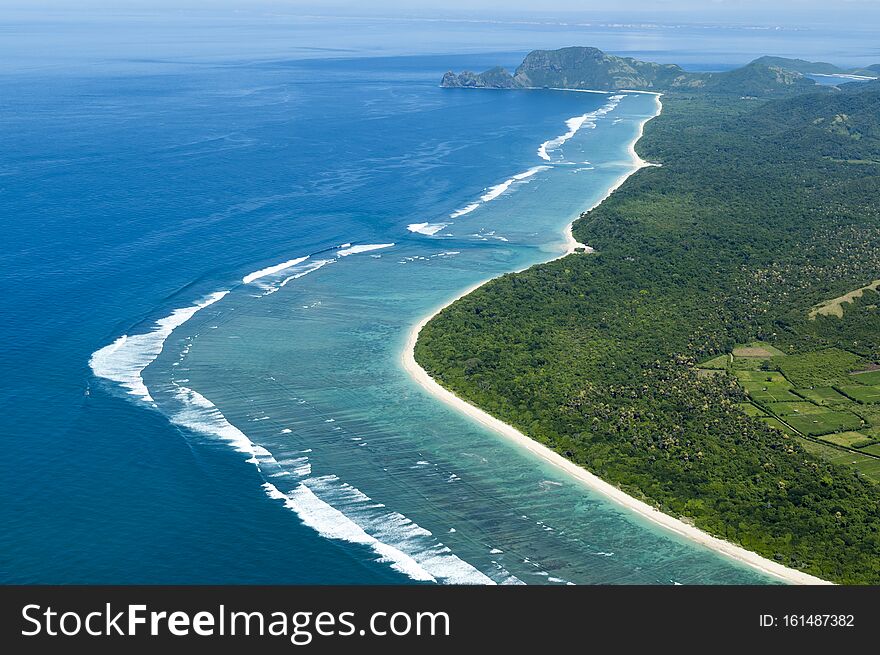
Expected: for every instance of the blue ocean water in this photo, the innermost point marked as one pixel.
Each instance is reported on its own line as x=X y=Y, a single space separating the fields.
x=246 y=422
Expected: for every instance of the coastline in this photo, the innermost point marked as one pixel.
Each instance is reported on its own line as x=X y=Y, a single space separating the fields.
x=582 y=475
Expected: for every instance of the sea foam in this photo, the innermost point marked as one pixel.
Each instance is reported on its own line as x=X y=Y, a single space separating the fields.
x=498 y=189
x=428 y=229
x=464 y=210
x=367 y=247
x=124 y=360
x=311 y=267
x=333 y=508
x=271 y=270
x=330 y=523
x=576 y=123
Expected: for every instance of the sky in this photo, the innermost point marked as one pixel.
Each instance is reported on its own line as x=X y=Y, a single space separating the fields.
x=669 y=31
x=737 y=11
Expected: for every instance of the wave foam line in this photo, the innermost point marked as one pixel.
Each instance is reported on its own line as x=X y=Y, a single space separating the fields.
x=428 y=229
x=576 y=123
x=367 y=247
x=498 y=189
x=489 y=195
x=464 y=210
x=393 y=527
x=330 y=523
x=271 y=270
x=124 y=360
x=310 y=268
x=396 y=539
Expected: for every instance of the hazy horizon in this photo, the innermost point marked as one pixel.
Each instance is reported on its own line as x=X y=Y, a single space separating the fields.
x=699 y=36
x=734 y=12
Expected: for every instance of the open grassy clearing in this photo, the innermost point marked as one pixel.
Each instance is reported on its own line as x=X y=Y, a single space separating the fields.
x=824 y=423
x=759 y=349
x=864 y=464
x=861 y=393
x=773 y=377
x=776 y=423
x=822 y=368
x=866 y=377
x=822 y=395
x=848 y=439
x=750 y=364
x=834 y=307
x=794 y=408
x=720 y=362
x=873 y=449
x=752 y=410
x=770 y=393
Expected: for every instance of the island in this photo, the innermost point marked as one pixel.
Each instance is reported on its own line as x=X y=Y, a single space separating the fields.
x=715 y=354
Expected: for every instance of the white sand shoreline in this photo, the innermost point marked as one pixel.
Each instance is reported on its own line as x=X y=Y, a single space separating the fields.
x=590 y=480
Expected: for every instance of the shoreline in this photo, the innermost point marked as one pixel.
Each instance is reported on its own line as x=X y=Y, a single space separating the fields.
x=582 y=475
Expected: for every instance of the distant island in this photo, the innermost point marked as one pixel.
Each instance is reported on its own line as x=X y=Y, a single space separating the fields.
x=590 y=68
x=718 y=356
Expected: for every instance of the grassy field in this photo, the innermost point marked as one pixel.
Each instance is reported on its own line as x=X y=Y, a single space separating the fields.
x=773 y=377
x=866 y=377
x=750 y=363
x=867 y=466
x=794 y=408
x=848 y=439
x=860 y=393
x=752 y=410
x=834 y=307
x=824 y=422
x=758 y=349
x=776 y=423
x=823 y=368
x=822 y=395
x=720 y=362
x=770 y=393
x=872 y=450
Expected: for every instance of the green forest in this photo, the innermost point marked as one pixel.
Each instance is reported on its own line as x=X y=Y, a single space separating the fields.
x=761 y=211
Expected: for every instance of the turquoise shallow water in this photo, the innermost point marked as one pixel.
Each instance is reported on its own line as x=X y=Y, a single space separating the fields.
x=164 y=184
x=298 y=367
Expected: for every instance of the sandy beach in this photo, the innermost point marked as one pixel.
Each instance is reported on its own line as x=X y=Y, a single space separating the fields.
x=582 y=475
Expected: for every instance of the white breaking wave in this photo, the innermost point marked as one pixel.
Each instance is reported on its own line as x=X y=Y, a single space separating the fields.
x=394 y=528
x=330 y=523
x=397 y=540
x=271 y=270
x=343 y=250
x=498 y=189
x=309 y=268
x=124 y=360
x=353 y=250
x=201 y=415
x=311 y=265
x=464 y=210
x=428 y=229
x=489 y=195
x=576 y=123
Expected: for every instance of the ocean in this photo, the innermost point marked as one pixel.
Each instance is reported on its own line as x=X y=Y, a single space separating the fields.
x=210 y=267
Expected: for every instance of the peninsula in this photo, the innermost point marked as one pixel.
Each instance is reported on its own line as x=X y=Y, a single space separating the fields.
x=592 y=69
x=686 y=362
